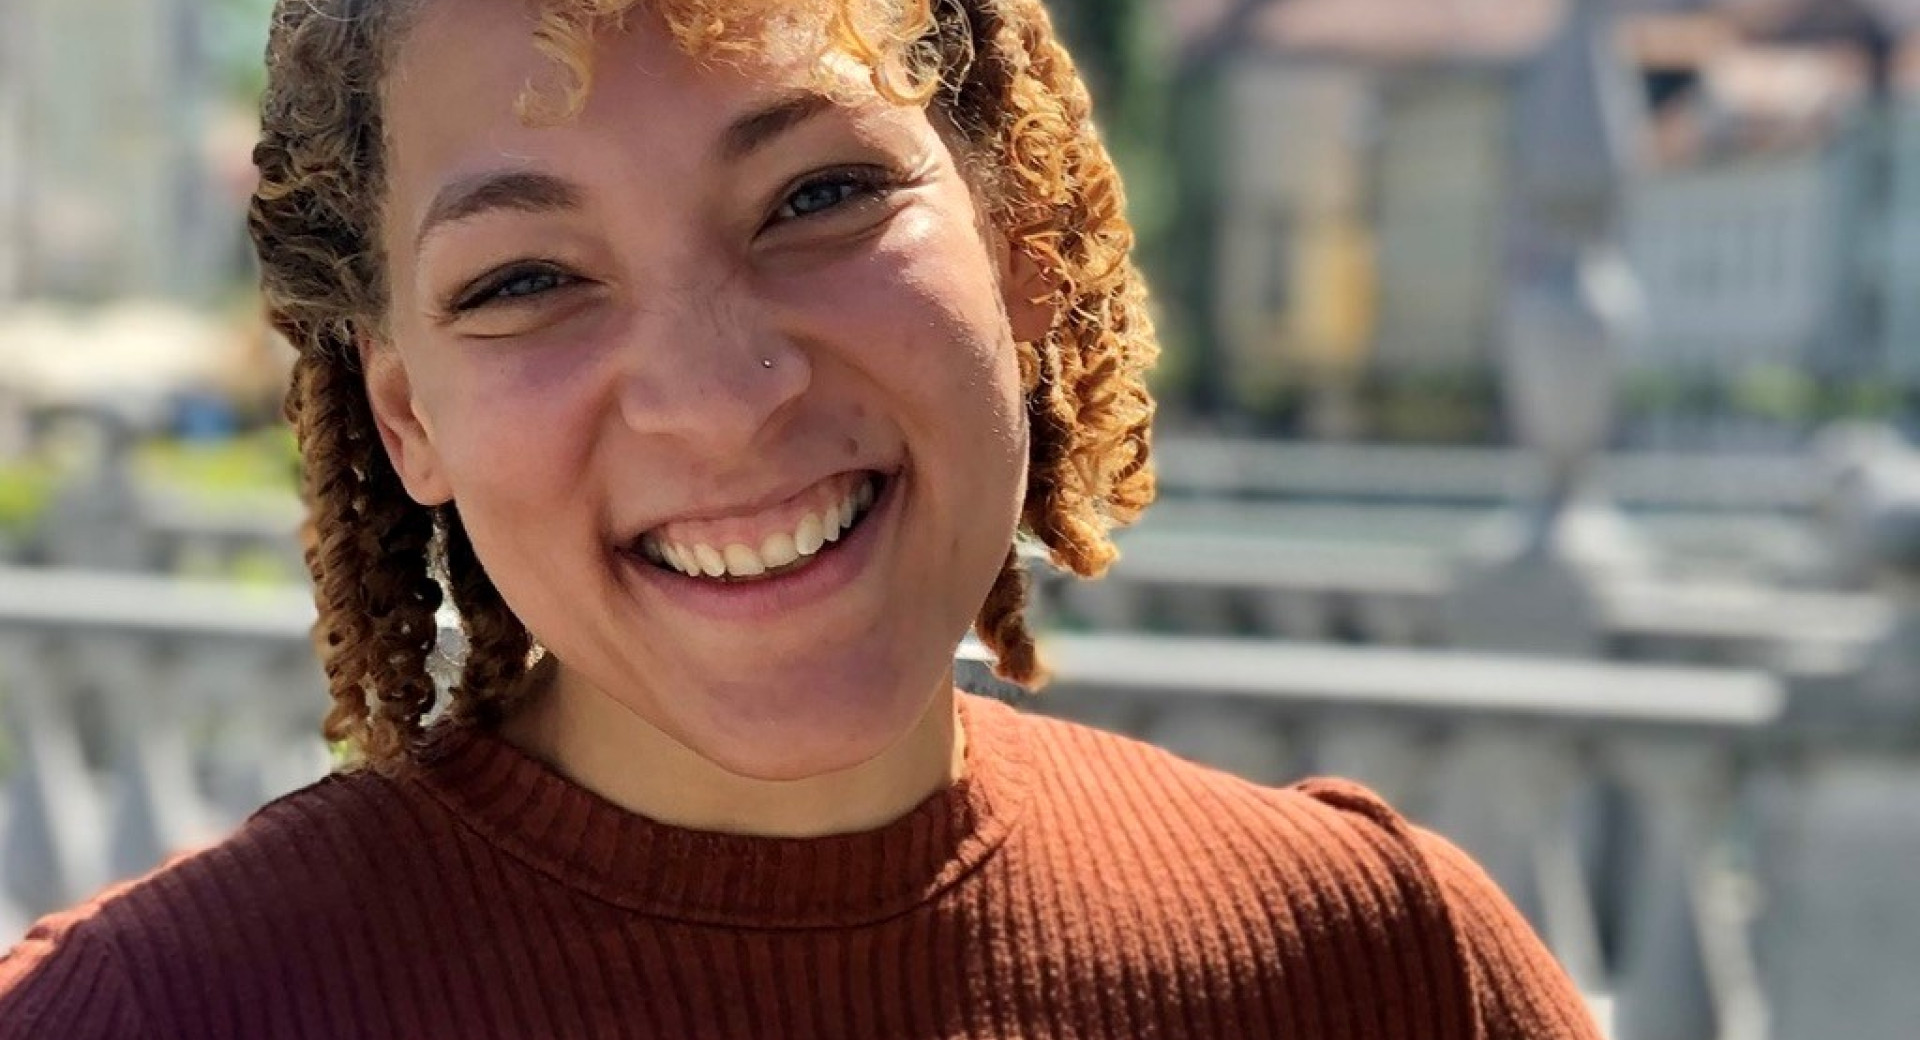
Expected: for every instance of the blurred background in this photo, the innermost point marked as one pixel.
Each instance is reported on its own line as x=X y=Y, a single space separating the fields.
x=1535 y=448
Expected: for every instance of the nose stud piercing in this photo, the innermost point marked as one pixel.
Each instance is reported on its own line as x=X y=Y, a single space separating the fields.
x=766 y=362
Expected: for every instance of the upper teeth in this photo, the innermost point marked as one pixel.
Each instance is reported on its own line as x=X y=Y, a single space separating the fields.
x=814 y=530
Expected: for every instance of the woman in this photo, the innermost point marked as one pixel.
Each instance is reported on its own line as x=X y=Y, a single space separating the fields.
x=713 y=354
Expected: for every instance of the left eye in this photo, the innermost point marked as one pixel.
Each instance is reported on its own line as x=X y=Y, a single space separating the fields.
x=822 y=194
x=532 y=283
x=517 y=283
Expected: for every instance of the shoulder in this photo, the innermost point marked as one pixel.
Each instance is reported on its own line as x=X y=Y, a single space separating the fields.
x=141 y=950
x=303 y=853
x=66 y=978
x=1106 y=781
x=1323 y=842
x=1347 y=884
x=1517 y=986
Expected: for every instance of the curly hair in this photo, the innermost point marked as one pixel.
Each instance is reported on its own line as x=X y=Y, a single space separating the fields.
x=994 y=67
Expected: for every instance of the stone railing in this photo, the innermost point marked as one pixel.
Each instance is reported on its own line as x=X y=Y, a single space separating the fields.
x=1399 y=596
x=1209 y=467
x=142 y=715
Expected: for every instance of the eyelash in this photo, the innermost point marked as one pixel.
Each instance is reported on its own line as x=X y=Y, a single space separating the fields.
x=858 y=182
x=493 y=288
x=864 y=182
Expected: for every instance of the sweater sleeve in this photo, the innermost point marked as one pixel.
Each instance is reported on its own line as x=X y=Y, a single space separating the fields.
x=1520 y=991
x=67 y=981
x=1514 y=988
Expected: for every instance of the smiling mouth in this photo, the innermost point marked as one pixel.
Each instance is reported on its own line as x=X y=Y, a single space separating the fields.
x=793 y=544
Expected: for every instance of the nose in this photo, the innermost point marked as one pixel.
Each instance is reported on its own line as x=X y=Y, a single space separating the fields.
x=707 y=367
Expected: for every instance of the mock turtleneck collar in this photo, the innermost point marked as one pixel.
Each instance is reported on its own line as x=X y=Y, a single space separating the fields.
x=566 y=831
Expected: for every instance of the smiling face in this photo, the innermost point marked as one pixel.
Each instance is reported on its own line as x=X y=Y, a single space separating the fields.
x=661 y=353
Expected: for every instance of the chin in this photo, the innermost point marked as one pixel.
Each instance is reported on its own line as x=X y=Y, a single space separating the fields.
x=808 y=723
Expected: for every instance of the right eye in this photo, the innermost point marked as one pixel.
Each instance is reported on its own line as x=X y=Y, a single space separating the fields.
x=513 y=284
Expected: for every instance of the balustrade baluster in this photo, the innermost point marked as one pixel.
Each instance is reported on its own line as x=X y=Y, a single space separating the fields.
x=53 y=850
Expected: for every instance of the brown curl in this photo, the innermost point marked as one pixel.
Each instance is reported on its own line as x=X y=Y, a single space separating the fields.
x=366 y=544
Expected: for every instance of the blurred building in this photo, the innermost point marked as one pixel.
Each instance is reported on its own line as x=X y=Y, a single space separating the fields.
x=104 y=186
x=1769 y=220
x=1779 y=225
x=1370 y=185
x=1367 y=170
x=12 y=146
x=1744 y=229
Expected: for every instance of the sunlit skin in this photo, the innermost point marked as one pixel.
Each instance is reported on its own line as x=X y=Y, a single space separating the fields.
x=685 y=317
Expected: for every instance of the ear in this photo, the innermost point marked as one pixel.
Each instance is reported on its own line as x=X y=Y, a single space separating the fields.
x=1027 y=292
x=404 y=430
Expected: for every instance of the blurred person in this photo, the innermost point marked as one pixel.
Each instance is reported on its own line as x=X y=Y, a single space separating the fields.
x=717 y=355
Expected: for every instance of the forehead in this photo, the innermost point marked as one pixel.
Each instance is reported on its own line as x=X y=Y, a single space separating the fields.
x=465 y=71
x=481 y=60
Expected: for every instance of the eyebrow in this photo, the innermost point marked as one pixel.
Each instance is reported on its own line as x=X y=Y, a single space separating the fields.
x=521 y=191
x=760 y=127
x=530 y=192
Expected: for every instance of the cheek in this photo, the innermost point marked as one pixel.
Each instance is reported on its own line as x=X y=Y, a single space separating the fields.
x=920 y=315
x=954 y=354
x=514 y=429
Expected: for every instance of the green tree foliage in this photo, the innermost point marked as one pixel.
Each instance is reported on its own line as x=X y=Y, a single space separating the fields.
x=1117 y=46
x=236 y=39
x=1120 y=47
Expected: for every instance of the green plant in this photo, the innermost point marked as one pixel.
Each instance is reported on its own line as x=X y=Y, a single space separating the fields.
x=252 y=466
x=1775 y=392
x=26 y=490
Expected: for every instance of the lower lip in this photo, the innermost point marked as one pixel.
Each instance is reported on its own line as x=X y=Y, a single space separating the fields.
x=768 y=598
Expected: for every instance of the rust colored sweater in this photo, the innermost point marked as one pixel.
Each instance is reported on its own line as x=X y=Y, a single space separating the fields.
x=1076 y=884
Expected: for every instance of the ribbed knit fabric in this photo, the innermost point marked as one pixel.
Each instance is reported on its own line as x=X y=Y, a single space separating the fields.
x=1075 y=884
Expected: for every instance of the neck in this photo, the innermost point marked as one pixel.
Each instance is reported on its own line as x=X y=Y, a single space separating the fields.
x=599 y=743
